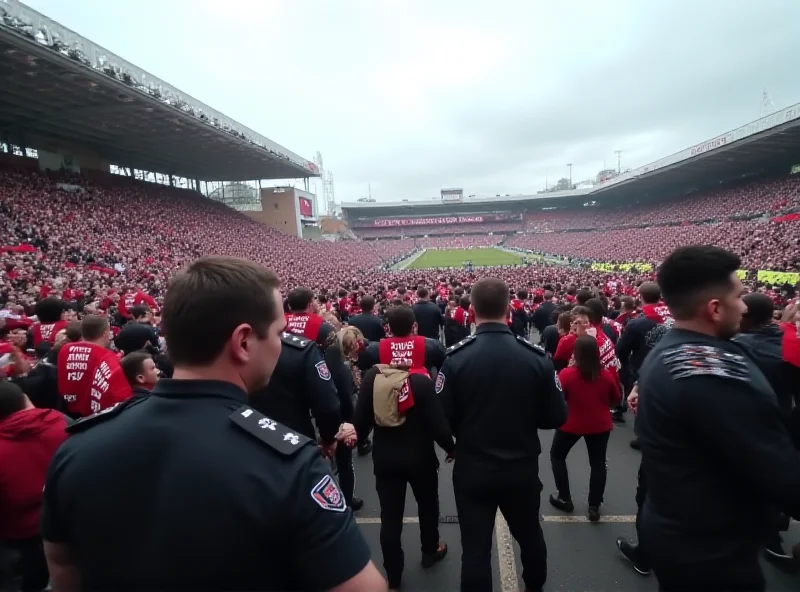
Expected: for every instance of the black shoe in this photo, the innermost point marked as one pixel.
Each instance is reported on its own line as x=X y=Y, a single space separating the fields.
x=618 y=416
x=365 y=448
x=635 y=444
x=356 y=504
x=594 y=513
x=631 y=553
x=563 y=505
x=431 y=559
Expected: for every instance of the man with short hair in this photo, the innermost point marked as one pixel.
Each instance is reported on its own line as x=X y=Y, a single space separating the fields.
x=273 y=516
x=498 y=390
x=428 y=315
x=141 y=372
x=367 y=321
x=303 y=319
x=716 y=453
x=89 y=375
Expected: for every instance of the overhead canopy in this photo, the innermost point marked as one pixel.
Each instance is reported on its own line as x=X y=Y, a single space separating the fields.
x=49 y=97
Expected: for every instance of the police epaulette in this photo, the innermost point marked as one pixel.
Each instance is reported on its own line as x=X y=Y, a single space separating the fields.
x=295 y=340
x=85 y=423
x=694 y=359
x=538 y=349
x=461 y=344
x=268 y=431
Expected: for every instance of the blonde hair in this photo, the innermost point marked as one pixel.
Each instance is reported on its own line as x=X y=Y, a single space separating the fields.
x=348 y=338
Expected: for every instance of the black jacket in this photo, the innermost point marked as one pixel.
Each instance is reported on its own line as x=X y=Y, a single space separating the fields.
x=498 y=390
x=549 y=339
x=543 y=316
x=369 y=324
x=429 y=319
x=716 y=454
x=301 y=384
x=410 y=445
x=763 y=345
x=638 y=338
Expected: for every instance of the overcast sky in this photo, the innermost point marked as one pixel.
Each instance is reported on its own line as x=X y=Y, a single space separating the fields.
x=494 y=97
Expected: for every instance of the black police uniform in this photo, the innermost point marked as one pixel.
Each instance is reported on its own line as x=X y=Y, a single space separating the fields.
x=345 y=386
x=716 y=454
x=301 y=383
x=429 y=318
x=498 y=389
x=192 y=489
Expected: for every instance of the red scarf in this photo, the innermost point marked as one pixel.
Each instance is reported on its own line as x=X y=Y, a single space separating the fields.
x=658 y=313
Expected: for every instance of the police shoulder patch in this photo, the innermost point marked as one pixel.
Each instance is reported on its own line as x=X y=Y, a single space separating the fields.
x=322 y=370
x=103 y=416
x=328 y=496
x=440 y=378
x=692 y=359
x=297 y=341
x=539 y=350
x=269 y=431
x=461 y=344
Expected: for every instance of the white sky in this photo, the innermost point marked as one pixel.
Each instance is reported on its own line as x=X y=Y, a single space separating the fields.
x=495 y=97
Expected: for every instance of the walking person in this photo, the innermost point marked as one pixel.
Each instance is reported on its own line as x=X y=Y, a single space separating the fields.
x=590 y=391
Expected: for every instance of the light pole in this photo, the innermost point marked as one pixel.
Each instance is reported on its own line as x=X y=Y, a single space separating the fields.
x=569 y=166
x=619 y=161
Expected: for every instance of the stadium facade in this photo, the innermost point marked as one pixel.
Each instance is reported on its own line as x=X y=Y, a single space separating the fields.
x=769 y=146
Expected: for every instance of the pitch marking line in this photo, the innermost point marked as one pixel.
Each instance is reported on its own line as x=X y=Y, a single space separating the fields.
x=624 y=519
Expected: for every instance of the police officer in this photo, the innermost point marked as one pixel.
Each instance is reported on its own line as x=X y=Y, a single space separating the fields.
x=716 y=453
x=301 y=386
x=498 y=389
x=201 y=490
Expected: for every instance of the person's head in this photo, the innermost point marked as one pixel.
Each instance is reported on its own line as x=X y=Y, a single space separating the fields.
x=351 y=341
x=141 y=313
x=579 y=319
x=522 y=294
x=583 y=296
x=563 y=323
x=759 y=311
x=465 y=301
x=299 y=300
x=587 y=357
x=490 y=300
x=423 y=293
x=222 y=319
x=12 y=399
x=402 y=322
x=94 y=329
x=70 y=314
x=596 y=310
x=367 y=304
x=73 y=331
x=629 y=304
x=50 y=310
x=140 y=370
x=700 y=286
x=650 y=293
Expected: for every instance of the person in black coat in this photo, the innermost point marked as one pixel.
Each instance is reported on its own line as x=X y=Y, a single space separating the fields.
x=543 y=316
x=368 y=323
x=429 y=315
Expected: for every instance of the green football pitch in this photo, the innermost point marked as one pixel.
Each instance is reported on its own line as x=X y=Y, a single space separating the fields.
x=457 y=258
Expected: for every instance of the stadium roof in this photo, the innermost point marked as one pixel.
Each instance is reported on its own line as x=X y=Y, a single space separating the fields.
x=771 y=143
x=59 y=88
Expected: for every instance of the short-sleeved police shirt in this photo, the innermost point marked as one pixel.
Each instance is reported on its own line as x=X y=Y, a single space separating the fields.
x=192 y=489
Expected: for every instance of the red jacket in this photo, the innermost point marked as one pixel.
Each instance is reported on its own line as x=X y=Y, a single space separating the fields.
x=28 y=440
x=589 y=402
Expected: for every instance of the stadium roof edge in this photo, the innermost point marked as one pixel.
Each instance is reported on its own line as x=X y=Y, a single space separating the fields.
x=704 y=149
x=98 y=55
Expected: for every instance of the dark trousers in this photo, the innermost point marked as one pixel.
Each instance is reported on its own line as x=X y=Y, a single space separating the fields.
x=740 y=577
x=391 y=488
x=347 y=474
x=480 y=489
x=596 y=445
x=641 y=493
x=32 y=564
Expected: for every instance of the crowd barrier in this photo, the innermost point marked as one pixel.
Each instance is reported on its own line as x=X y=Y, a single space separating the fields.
x=621 y=266
x=778 y=277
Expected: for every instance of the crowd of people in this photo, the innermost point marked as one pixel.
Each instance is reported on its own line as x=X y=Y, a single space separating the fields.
x=90 y=331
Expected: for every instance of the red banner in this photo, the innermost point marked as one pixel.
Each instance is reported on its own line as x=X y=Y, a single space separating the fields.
x=787 y=218
x=438 y=221
x=306 y=208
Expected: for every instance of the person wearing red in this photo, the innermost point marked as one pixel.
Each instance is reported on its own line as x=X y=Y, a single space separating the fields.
x=90 y=378
x=50 y=314
x=303 y=319
x=590 y=391
x=133 y=297
x=28 y=439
